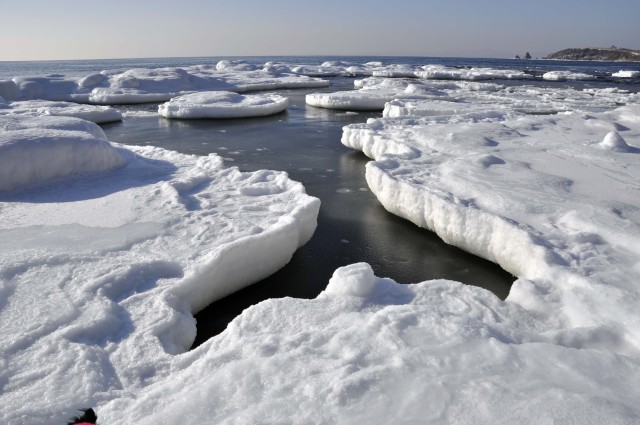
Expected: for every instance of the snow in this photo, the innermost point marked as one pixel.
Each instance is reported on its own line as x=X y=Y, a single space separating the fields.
x=93 y=113
x=626 y=74
x=101 y=270
x=100 y=273
x=364 y=99
x=567 y=76
x=36 y=150
x=146 y=85
x=222 y=104
x=473 y=74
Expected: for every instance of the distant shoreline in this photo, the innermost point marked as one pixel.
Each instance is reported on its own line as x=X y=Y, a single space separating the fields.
x=610 y=54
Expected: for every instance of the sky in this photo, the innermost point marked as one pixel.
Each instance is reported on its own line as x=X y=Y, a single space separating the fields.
x=86 y=29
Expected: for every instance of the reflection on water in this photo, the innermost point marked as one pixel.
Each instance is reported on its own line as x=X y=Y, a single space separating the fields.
x=352 y=225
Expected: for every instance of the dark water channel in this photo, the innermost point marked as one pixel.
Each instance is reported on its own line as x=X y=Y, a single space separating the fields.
x=352 y=226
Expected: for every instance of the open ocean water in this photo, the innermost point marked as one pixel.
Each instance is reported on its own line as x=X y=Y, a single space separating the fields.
x=305 y=142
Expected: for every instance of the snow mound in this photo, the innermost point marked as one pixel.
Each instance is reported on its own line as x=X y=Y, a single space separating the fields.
x=222 y=105
x=613 y=141
x=100 y=276
x=357 y=280
x=93 y=113
x=36 y=150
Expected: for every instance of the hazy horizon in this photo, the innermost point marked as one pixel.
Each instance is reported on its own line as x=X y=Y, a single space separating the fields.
x=74 y=30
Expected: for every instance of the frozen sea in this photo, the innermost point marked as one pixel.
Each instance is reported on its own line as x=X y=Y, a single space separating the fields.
x=528 y=163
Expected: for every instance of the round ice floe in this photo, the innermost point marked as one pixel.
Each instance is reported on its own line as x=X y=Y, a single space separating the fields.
x=93 y=113
x=354 y=100
x=222 y=104
x=38 y=149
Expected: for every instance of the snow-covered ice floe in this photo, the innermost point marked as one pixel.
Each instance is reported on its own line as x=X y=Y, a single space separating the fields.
x=626 y=74
x=146 y=85
x=222 y=104
x=440 y=72
x=34 y=150
x=567 y=76
x=554 y=200
x=106 y=258
x=93 y=113
x=365 y=99
x=411 y=97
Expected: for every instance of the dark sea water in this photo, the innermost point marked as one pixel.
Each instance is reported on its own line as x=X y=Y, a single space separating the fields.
x=305 y=142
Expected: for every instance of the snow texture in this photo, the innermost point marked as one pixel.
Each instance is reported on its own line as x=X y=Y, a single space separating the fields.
x=222 y=104
x=100 y=273
x=36 y=150
x=553 y=200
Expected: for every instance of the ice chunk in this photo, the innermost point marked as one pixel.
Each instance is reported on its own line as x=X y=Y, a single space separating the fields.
x=626 y=74
x=93 y=113
x=567 y=76
x=222 y=104
x=446 y=73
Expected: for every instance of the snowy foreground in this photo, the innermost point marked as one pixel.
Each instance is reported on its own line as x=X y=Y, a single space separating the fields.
x=102 y=265
x=107 y=251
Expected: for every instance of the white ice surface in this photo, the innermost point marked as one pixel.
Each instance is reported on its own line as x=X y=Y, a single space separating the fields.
x=124 y=257
x=364 y=99
x=440 y=72
x=36 y=150
x=368 y=350
x=567 y=76
x=626 y=74
x=100 y=273
x=554 y=200
x=222 y=104
x=144 y=85
x=93 y=113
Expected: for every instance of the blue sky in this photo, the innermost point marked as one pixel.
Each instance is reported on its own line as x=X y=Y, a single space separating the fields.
x=85 y=29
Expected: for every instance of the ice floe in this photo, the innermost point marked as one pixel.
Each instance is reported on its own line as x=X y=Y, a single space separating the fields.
x=145 y=85
x=222 y=104
x=567 y=76
x=368 y=350
x=474 y=74
x=93 y=113
x=542 y=181
x=36 y=150
x=100 y=272
x=626 y=74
